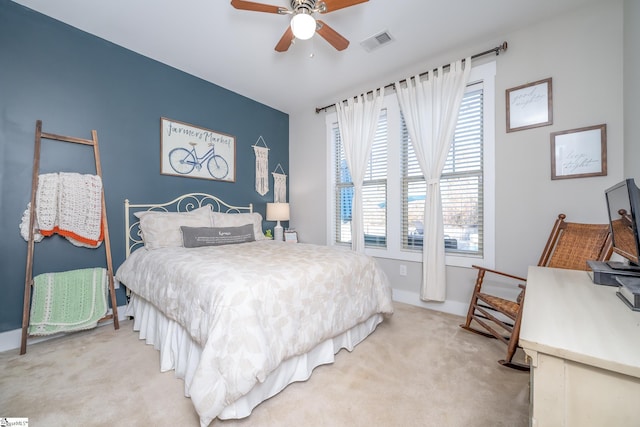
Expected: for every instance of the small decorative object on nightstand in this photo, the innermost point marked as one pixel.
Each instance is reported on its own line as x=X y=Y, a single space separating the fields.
x=291 y=236
x=278 y=212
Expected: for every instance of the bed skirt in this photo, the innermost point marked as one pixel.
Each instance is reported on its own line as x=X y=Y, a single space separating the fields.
x=180 y=353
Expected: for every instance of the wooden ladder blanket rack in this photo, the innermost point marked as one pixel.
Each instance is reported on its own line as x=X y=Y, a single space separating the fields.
x=28 y=283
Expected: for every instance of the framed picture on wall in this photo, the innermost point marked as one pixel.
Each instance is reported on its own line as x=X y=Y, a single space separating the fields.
x=529 y=106
x=196 y=152
x=579 y=153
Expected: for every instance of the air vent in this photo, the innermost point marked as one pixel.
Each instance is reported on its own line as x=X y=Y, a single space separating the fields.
x=376 y=41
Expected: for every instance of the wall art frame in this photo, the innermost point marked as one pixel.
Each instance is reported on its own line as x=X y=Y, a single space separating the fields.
x=529 y=105
x=196 y=152
x=579 y=153
x=291 y=236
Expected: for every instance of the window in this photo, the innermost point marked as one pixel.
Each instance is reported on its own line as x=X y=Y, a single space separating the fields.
x=393 y=189
x=374 y=189
x=460 y=183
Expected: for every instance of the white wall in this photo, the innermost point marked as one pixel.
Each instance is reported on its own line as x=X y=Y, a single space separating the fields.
x=583 y=52
x=632 y=89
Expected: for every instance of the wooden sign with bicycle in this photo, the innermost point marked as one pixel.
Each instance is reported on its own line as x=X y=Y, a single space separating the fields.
x=196 y=152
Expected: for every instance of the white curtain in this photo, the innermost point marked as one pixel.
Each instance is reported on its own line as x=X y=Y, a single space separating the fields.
x=430 y=108
x=357 y=122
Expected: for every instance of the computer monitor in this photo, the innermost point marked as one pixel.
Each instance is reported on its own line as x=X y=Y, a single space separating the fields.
x=623 y=205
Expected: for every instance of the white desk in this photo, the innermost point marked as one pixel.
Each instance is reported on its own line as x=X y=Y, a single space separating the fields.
x=584 y=346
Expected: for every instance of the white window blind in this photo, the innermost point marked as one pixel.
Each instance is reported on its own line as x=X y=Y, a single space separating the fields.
x=374 y=189
x=460 y=182
x=395 y=188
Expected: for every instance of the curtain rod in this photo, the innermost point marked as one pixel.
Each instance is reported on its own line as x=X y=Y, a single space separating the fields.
x=496 y=50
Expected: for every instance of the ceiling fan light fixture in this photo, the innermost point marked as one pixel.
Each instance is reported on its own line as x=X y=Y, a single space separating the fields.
x=303 y=25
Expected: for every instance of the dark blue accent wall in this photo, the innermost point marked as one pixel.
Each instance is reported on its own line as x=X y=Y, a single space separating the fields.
x=75 y=82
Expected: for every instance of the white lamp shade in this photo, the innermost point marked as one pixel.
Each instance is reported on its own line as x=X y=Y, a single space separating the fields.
x=277 y=211
x=303 y=25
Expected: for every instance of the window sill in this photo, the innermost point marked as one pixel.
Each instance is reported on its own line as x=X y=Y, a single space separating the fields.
x=451 y=260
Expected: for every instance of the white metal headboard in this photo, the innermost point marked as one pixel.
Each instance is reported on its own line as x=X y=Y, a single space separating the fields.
x=184 y=203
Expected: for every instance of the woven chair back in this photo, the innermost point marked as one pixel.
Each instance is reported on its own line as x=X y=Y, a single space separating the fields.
x=578 y=243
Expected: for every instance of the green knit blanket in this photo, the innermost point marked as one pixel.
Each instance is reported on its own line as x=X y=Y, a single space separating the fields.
x=68 y=301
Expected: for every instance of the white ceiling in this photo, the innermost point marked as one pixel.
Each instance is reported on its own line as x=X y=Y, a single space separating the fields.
x=235 y=48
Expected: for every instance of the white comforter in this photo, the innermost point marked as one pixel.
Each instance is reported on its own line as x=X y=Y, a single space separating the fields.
x=253 y=305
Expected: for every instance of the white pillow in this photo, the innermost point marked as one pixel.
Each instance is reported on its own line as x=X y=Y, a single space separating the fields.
x=162 y=229
x=237 y=219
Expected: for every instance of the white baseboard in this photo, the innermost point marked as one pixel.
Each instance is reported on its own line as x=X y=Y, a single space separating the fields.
x=10 y=340
x=412 y=298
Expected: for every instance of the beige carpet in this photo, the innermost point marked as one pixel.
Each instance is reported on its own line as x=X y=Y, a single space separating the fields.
x=417 y=369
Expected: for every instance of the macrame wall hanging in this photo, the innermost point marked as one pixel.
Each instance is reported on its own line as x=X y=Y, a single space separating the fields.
x=279 y=185
x=262 y=166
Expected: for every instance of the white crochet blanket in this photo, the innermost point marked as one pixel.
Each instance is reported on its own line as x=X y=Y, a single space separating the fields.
x=69 y=204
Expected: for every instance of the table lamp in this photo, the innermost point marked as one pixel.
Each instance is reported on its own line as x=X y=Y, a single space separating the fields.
x=278 y=212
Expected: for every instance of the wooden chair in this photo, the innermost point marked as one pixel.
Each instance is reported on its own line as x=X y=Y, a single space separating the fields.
x=570 y=245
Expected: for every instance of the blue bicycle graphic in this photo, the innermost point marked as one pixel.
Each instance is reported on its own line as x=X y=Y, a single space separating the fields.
x=184 y=161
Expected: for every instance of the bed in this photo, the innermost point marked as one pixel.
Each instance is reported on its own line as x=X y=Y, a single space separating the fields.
x=239 y=316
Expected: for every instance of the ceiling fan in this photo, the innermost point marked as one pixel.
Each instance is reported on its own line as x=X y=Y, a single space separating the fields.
x=303 y=24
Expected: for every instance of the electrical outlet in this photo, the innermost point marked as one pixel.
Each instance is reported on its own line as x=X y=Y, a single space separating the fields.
x=403 y=270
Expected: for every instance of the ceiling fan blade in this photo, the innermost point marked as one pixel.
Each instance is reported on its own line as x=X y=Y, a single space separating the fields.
x=285 y=41
x=257 y=7
x=332 y=36
x=332 y=5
